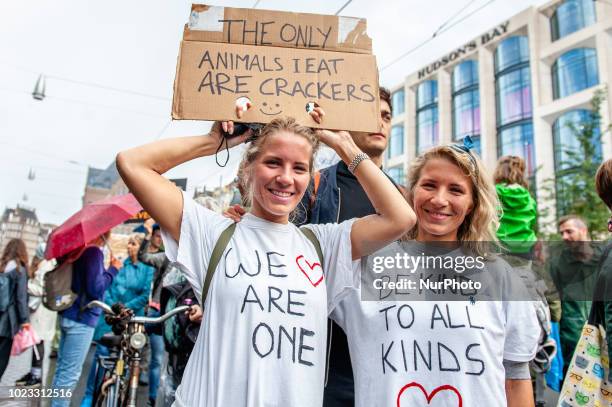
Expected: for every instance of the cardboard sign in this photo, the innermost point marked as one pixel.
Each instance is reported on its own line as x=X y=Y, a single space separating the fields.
x=277 y=29
x=282 y=62
x=139 y=217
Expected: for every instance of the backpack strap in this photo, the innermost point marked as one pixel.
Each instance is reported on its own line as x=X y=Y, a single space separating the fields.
x=310 y=235
x=315 y=242
x=217 y=252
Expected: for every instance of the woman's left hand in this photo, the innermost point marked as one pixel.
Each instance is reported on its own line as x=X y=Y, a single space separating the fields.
x=333 y=139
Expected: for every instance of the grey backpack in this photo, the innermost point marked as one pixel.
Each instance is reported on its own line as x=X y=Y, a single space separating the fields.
x=57 y=293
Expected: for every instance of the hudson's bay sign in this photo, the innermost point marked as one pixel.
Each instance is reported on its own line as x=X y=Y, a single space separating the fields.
x=469 y=47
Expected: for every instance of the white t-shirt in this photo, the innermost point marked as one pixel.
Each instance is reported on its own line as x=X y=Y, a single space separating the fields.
x=406 y=352
x=263 y=336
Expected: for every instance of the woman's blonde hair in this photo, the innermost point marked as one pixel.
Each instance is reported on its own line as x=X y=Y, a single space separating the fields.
x=287 y=124
x=510 y=170
x=477 y=231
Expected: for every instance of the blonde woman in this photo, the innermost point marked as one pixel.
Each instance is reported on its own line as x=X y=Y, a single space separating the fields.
x=448 y=352
x=262 y=341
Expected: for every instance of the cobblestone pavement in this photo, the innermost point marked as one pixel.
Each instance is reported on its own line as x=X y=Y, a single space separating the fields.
x=20 y=365
x=17 y=367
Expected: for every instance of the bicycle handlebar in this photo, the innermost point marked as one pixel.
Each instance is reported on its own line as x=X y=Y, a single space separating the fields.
x=142 y=320
x=105 y=307
x=161 y=318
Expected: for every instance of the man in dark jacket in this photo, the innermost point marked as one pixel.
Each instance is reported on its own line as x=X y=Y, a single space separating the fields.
x=574 y=271
x=339 y=197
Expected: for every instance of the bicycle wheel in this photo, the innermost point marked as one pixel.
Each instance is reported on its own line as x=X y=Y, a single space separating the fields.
x=109 y=397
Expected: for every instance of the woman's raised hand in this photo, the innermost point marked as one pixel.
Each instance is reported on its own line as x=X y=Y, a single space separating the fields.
x=228 y=127
x=331 y=138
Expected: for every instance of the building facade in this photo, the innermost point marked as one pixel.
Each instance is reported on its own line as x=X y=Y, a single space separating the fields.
x=516 y=90
x=102 y=183
x=21 y=223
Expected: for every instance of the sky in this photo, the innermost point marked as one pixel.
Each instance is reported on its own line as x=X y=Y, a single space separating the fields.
x=89 y=50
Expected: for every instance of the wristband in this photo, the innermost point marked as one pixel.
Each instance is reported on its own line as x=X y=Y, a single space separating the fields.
x=356 y=161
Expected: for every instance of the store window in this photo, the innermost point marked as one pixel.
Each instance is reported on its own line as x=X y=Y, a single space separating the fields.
x=466 y=103
x=574 y=71
x=397 y=99
x=571 y=16
x=518 y=140
x=427 y=115
x=396 y=141
x=567 y=145
x=570 y=152
x=513 y=101
x=397 y=175
x=511 y=52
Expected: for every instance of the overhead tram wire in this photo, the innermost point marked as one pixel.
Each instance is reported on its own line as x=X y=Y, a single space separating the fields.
x=461 y=10
x=343 y=7
x=86 y=83
x=105 y=87
x=83 y=103
x=163 y=130
x=411 y=50
x=45 y=154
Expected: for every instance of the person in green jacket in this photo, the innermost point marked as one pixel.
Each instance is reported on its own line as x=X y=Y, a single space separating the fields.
x=525 y=254
x=517 y=227
x=603 y=185
x=518 y=220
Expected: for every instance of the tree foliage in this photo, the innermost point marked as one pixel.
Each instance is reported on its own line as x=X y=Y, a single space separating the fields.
x=573 y=186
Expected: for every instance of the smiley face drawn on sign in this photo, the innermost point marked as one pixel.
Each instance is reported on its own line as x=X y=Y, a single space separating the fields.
x=270 y=109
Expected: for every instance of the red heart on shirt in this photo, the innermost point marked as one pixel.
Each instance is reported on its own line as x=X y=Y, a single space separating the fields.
x=430 y=396
x=312 y=271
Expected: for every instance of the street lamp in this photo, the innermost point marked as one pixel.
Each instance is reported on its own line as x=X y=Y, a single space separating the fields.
x=39 y=89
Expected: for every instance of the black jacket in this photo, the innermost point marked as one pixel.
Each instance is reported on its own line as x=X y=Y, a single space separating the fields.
x=17 y=312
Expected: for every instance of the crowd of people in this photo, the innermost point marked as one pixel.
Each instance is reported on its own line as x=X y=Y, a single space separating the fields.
x=283 y=320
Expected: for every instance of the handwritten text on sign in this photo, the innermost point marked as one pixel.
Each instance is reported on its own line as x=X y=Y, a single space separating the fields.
x=282 y=306
x=279 y=82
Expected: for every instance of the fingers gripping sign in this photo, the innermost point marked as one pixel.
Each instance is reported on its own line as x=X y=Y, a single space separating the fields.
x=229 y=134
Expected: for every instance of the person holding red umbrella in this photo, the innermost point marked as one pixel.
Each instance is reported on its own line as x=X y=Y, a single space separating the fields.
x=77 y=324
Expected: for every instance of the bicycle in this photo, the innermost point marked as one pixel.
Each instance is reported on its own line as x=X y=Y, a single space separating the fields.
x=119 y=385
